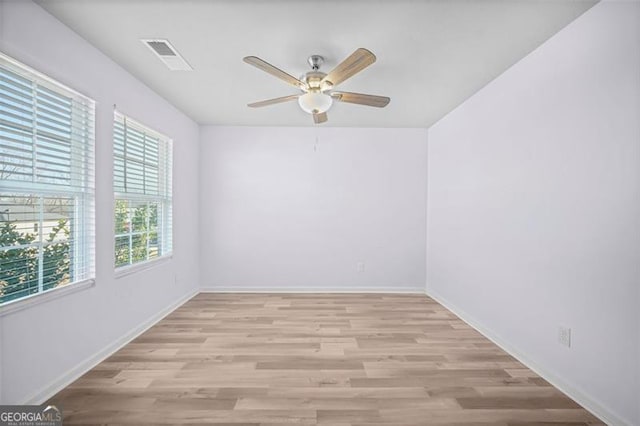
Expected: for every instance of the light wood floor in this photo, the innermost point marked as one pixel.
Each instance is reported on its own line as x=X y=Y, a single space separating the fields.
x=315 y=359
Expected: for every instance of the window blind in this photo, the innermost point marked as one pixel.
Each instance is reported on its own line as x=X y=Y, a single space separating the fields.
x=46 y=183
x=142 y=181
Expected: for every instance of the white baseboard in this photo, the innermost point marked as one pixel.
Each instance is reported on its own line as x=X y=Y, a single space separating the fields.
x=593 y=406
x=242 y=289
x=72 y=375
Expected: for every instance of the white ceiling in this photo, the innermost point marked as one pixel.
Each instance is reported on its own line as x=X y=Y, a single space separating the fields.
x=432 y=55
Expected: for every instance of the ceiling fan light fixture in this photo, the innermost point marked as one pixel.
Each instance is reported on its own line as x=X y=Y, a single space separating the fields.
x=315 y=102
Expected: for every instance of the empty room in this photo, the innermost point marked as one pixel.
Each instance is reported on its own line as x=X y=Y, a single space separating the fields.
x=320 y=212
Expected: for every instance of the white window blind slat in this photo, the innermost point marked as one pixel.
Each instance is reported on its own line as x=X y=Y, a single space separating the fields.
x=11 y=87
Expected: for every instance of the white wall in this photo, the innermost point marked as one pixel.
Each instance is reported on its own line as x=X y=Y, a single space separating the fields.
x=282 y=212
x=534 y=209
x=45 y=344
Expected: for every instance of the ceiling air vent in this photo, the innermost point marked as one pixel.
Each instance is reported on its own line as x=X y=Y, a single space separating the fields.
x=167 y=54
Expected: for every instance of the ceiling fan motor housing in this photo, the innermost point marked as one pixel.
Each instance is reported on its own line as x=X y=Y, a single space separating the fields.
x=313 y=81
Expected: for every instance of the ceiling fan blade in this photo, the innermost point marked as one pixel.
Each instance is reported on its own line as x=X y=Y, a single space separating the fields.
x=268 y=68
x=359 y=60
x=361 y=99
x=320 y=118
x=273 y=101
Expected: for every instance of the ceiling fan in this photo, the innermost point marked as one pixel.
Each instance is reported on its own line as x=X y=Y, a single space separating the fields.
x=317 y=94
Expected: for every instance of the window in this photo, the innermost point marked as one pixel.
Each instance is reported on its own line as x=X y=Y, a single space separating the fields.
x=46 y=183
x=142 y=189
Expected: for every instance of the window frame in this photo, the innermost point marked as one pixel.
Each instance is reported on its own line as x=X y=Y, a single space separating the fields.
x=164 y=199
x=80 y=188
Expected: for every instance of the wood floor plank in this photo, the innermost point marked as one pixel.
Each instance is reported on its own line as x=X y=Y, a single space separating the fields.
x=315 y=359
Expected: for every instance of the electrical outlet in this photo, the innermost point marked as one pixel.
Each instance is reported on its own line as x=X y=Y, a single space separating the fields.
x=360 y=267
x=564 y=336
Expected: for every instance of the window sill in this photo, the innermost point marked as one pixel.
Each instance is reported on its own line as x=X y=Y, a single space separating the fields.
x=36 y=299
x=123 y=271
